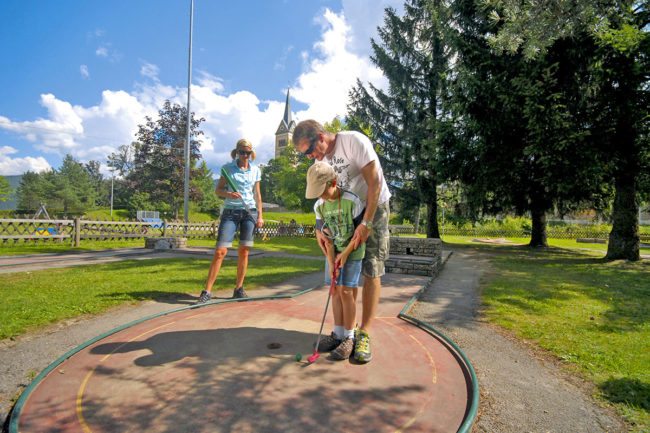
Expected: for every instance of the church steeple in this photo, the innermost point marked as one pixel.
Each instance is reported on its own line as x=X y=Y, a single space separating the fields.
x=287 y=110
x=285 y=129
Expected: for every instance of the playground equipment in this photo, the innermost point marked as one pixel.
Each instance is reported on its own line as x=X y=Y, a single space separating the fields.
x=151 y=217
x=44 y=231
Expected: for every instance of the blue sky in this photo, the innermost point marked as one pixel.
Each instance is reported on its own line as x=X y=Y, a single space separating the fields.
x=78 y=77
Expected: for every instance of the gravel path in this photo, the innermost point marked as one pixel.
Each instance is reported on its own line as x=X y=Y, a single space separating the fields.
x=522 y=390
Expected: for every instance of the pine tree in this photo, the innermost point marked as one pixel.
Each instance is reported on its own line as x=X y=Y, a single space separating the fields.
x=524 y=123
x=619 y=123
x=409 y=120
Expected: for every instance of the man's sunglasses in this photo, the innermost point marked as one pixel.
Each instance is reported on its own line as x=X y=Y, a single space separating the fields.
x=310 y=149
x=244 y=152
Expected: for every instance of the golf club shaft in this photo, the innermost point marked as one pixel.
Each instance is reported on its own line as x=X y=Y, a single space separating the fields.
x=322 y=322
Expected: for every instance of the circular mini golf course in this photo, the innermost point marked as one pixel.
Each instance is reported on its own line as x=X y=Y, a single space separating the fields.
x=234 y=366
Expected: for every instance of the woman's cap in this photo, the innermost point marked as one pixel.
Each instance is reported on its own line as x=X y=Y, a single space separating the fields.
x=318 y=176
x=244 y=144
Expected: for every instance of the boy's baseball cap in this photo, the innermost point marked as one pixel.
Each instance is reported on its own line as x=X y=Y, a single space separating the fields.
x=318 y=175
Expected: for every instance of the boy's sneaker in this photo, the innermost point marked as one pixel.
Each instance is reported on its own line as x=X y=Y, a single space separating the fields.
x=239 y=293
x=204 y=297
x=343 y=350
x=362 y=347
x=328 y=343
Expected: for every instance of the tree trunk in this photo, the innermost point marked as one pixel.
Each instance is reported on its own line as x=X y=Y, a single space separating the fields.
x=417 y=220
x=538 y=236
x=432 y=214
x=624 y=237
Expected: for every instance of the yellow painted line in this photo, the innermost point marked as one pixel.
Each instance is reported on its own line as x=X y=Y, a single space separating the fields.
x=80 y=415
x=431 y=360
x=434 y=374
x=84 y=383
x=434 y=378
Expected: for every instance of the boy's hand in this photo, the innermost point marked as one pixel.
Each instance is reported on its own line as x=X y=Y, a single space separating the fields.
x=342 y=257
x=322 y=240
x=340 y=260
x=335 y=272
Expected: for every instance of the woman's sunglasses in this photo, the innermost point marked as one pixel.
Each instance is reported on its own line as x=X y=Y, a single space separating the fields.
x=244 y=152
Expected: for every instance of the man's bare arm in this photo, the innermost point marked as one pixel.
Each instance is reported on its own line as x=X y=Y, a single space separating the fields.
x=371 y=175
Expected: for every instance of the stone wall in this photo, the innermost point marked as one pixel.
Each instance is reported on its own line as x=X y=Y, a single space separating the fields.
x=427 y=247
x=416 y=256
x=165 y=243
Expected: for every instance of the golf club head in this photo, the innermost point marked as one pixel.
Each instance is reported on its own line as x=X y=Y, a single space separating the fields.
x=313 y=357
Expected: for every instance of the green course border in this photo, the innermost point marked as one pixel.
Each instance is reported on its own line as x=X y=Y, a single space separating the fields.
x=14 y=415
x=472 y=410
x=470 y=414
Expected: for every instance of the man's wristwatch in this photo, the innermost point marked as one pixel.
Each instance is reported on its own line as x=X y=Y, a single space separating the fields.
x=367 y=223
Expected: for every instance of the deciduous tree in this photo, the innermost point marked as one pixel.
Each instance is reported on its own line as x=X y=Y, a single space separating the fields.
x=158 y=163
x=5 y=189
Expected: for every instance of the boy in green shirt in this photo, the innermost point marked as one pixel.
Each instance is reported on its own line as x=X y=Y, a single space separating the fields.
x=338 y=212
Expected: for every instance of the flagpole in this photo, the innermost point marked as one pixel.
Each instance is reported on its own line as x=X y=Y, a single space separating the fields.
x=186 y=189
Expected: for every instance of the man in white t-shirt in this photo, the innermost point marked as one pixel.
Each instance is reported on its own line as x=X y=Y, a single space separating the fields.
x=358 y=169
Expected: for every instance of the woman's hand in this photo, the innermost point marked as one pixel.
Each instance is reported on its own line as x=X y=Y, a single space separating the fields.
x=234 y=195
x=260 y=222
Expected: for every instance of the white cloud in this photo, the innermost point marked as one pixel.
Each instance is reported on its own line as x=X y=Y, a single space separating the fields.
x=364 y=16
x=83 y=69
x=93 y=132
x=209 y=81
x=99 y=33
x=7 y=150
x=150 y=70
x=279 y=64
x=329 y=76
x=106 y=51
x=14 y=166
x=96 y=131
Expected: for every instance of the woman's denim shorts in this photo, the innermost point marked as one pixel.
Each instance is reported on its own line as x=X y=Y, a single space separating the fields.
x=348 y=275
x=233 y=220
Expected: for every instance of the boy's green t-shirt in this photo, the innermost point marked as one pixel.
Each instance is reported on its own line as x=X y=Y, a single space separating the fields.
x=339 y=217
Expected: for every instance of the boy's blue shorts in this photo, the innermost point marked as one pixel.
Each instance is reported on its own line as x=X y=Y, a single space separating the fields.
x=348 y=275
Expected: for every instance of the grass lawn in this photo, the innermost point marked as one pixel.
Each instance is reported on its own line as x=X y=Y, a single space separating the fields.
x=305 y=246
x=62 y=247
x=35 y=299
x=104 y=214
x=301 y=218
x=592 y=314
x=302 y=246
x=601 y=249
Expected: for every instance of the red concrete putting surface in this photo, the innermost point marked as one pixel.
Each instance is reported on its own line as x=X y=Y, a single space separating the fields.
x=231 y=367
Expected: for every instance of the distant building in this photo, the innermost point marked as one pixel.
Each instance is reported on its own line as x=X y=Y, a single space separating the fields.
x=285 y=130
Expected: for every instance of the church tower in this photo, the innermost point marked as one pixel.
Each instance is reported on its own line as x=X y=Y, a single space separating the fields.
x=285 y=130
